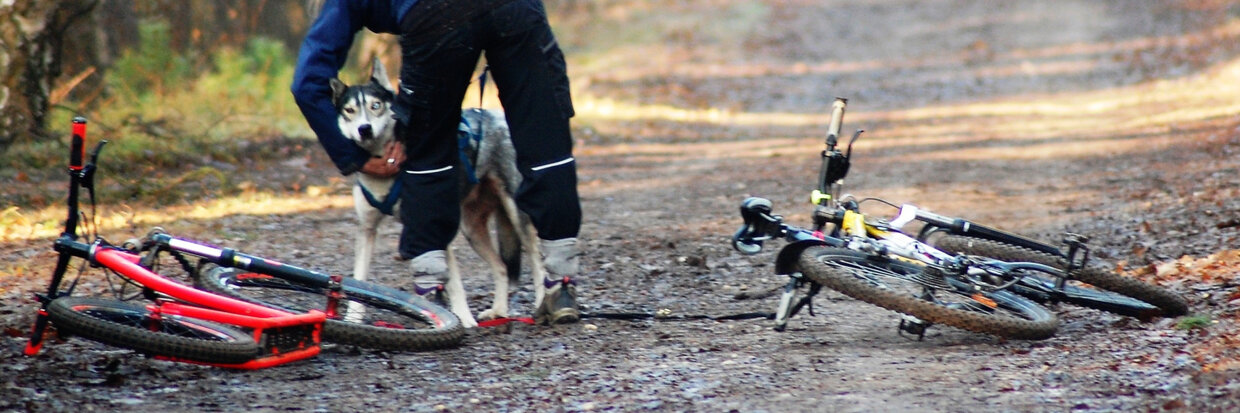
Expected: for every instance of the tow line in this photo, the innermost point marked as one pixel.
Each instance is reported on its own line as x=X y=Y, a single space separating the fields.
x=660 y=315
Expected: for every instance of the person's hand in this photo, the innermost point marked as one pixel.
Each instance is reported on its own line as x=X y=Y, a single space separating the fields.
x=389 y=164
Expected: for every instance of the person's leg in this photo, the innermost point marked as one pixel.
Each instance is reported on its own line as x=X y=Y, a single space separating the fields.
x=437 y=60
x=529 y=71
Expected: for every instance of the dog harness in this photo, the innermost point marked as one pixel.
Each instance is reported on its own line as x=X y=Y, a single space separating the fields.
x=467 y=136
x=388 y=202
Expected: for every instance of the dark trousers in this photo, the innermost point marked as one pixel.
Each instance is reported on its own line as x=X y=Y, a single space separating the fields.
x=441 y=44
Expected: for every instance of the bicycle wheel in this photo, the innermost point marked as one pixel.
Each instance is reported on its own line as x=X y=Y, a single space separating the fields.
x=1147 y=300
x=909 y=289
x=128 y=325
x=370 y=315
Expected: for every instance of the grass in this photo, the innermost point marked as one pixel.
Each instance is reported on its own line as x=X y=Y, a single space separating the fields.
x=169 y=123
x=1194 y=322
x=161 y=108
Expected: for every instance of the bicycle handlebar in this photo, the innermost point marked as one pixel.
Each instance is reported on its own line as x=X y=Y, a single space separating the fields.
x=80 y=176
x=834 y=163
x=77 y=149
x=228 y=257
x=760 y=225
x=837 y=121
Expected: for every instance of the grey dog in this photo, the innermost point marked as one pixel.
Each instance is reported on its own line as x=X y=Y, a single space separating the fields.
x=488 y=183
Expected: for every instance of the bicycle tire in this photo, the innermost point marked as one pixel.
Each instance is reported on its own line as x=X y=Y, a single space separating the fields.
x=125 y=324
x=1120 y=288
x=393 y=320
x=878 y=280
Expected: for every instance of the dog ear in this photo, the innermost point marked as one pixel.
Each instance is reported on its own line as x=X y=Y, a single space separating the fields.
x=378 y=74
x=338 y=89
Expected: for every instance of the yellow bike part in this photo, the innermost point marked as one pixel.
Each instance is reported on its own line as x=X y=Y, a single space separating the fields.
x=817 y=197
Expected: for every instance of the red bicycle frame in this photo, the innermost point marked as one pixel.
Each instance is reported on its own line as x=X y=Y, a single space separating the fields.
x=186 y=301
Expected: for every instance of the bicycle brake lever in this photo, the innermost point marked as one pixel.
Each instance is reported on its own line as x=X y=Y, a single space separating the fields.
x=857 y=134
x=94 y=153
x=88 y=171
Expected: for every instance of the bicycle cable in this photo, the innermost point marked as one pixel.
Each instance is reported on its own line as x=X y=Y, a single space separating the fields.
x=879 y=200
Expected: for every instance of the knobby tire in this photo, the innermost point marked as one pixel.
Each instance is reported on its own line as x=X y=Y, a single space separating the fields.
x=1117 y=288
x=876 y=280
x=394 y=320
x=128 y=325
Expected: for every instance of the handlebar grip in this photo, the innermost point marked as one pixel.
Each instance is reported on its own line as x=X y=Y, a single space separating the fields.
x=837 y=120
x=77 y=151
x=757 y=215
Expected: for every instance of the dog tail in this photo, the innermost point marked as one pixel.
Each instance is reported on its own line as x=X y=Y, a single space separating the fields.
x=509 y=246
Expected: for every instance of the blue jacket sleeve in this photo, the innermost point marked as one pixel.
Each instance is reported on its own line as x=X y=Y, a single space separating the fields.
x=323 y=53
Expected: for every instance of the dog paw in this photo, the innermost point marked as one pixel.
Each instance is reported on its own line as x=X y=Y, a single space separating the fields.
x=492 y=314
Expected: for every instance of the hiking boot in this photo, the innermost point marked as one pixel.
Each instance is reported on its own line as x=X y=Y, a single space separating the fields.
x=559 y=304
x=433 y=293
x=430 y=272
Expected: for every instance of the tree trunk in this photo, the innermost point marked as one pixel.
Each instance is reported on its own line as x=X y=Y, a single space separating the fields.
x=31 y=38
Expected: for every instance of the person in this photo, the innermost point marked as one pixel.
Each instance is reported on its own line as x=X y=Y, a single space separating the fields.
x=441 y=43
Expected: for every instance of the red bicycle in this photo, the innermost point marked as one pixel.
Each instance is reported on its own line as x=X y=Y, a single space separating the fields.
x=155 y=315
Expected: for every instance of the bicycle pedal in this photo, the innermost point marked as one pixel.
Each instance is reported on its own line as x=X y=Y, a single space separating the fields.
x=914 y=326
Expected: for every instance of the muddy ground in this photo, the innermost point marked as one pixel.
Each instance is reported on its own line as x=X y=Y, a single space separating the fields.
x=1000 y=111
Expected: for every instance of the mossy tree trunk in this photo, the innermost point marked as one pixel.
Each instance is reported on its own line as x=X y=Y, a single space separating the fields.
x=31 y=40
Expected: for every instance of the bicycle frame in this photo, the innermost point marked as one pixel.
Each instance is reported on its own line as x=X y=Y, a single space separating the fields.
x=856 y=233
x=181 y=300
x=852 y=230
x=230 y=258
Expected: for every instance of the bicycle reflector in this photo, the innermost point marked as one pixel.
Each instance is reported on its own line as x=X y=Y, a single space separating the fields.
x=986 y=301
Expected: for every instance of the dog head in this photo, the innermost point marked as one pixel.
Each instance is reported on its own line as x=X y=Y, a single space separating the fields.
x=364 y=112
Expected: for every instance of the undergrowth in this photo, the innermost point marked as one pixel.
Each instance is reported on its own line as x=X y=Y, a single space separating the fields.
x=169 y=121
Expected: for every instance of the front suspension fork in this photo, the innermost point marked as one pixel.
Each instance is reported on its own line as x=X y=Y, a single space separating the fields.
x=787 y=307
x=53 y=292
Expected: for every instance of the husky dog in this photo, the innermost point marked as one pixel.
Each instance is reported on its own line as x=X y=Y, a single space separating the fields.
x=488 y=180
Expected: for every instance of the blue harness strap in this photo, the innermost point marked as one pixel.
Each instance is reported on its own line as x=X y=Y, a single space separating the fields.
x=466 y=135
x=389 y=201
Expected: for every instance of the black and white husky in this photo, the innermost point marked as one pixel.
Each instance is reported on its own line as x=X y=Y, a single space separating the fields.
x=488 y=184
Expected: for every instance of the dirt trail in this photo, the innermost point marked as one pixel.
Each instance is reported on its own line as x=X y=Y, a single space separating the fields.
x=1105 y=117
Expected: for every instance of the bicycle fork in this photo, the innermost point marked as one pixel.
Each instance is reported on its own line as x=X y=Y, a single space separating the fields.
x=787 y=307
x=41 y=318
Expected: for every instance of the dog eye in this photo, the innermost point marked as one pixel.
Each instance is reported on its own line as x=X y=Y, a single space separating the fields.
x=376 y=106
x=349 y=110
